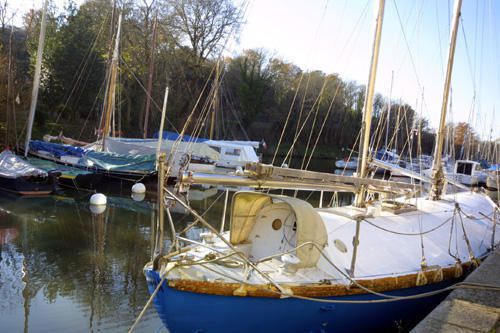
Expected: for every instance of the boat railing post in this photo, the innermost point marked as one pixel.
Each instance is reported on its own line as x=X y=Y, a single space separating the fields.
x=224 y=212
x=494 y=220
x=161 y=203
x=355 y=243
x=162 y=124
x=321 y=199
x=175 y=242
x=153 y=231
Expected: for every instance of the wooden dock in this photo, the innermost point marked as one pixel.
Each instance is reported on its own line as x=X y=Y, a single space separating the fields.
x=469 y=310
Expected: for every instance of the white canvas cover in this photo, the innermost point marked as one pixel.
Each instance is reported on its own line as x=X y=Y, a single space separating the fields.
x=12 y=166
x=129 y=146
x=253 y=144
x=310 y=226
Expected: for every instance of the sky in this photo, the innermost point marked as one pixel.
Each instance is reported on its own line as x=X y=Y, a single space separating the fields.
x=336 y=36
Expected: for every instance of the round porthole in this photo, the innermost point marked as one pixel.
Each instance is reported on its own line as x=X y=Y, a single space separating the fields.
x=340 y=245
x=277 y=224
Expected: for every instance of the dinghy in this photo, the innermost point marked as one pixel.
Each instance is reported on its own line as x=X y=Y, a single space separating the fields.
x=20 y=177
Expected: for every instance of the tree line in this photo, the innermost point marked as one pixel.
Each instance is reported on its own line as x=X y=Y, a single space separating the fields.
x=180 y=44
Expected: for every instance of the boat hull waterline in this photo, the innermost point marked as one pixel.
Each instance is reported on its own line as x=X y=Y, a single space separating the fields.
x=184 y=311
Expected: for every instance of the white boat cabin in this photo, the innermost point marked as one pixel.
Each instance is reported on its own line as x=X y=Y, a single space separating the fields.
x=468 y=172
x=234 y=154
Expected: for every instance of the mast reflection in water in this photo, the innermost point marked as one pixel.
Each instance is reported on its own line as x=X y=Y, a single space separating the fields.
x=64 y=269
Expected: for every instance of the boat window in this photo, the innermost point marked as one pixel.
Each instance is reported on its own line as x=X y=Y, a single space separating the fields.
x=478 y=167
x=277 y=224
x=233 y=152
x=217 y=149
x=464 y=168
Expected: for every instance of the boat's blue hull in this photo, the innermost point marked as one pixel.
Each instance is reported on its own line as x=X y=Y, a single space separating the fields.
x=192 y=312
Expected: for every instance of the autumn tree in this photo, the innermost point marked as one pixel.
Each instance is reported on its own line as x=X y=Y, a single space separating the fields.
x=203 y=25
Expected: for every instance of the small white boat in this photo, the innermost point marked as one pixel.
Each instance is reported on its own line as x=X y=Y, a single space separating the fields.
x=493 y=178
x=18 y=176
x=234 y=154
x=468 y=173
x=493 y=182
x=347 y=164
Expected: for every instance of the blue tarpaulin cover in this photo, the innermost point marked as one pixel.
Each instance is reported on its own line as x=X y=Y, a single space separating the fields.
x=98 y=160
x=494 y=167
x=119 y=162
x=56 y=149
x=168 y=135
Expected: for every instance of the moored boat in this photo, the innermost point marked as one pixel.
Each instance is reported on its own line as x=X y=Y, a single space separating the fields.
x=468 y=173
x=20 y=177
x=493 y=182
x=286 y=266
x=347 y=164
x=295 y=267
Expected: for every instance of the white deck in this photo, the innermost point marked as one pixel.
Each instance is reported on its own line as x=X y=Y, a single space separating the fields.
x=380 y=253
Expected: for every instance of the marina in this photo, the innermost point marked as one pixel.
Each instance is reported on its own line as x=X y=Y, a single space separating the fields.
x=154 y=177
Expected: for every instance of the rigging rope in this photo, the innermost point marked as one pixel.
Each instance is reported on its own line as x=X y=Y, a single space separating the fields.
x=409 y=233
x=415 y=72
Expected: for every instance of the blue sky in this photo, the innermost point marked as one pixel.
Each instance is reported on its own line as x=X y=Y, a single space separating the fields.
x=335 y=36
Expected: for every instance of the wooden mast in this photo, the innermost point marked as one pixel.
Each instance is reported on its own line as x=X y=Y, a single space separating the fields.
x=9 y=108
x=215 y=100
x=437 y=167
x=110 y=103
x=368 y=105
x=150 y=81
x=36 y=79
x=389 y=113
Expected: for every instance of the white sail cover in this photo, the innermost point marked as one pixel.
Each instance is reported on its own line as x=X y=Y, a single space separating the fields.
x=129 y=146
x=12 y=166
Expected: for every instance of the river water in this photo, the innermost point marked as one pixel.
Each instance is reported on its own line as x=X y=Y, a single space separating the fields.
x=65 y=269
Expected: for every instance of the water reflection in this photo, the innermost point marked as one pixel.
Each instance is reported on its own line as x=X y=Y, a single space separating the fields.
x=64 y=268
x=7 y=235
x=71 y=270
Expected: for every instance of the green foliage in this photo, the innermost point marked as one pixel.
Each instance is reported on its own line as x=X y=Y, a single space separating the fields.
x=252 y=84
x=259 y=93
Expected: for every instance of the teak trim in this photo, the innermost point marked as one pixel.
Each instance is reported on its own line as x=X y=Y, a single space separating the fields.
x=432 y=275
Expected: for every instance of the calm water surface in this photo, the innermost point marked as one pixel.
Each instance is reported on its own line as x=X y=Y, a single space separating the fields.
x=65 y=269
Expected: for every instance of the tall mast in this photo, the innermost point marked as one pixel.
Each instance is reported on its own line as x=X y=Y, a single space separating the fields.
x=150 y=80
x=389 y=112
x=36 y=79
x=368 y=106
x=9 y=108
x=110 y=103
x=437 y=168
x=215 y=100
x=446 y=148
